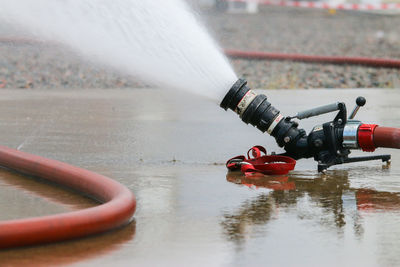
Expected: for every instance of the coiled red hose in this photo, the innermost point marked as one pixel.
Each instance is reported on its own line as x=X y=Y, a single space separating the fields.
x=386 y=137
x=119 y=202
x=372 y=62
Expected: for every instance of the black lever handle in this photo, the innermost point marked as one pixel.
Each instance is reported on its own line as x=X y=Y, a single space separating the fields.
x=317 y=111
x=360 y=101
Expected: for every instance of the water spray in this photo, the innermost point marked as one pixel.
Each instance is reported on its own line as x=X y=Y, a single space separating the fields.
x=329 y=144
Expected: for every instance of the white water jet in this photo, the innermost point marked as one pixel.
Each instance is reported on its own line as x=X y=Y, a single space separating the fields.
x=160 y=42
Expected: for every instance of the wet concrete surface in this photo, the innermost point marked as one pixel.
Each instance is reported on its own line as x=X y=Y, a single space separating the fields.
x=170 y=149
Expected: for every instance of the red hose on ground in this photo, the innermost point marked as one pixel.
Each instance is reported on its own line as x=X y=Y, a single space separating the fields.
x=372 y=62
x=387 y=137
x=119 y=202
x=339 y=60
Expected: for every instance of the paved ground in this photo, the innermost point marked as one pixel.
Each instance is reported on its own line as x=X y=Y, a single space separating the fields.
x=191 y=212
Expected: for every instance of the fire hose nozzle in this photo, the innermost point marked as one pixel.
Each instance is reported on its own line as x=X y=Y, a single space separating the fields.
x=329 y=143
x=251 y=107
x=255 y=109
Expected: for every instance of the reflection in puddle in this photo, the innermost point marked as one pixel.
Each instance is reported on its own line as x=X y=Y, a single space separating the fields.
x=68 y=252
x=371 y=200
x=330 y=193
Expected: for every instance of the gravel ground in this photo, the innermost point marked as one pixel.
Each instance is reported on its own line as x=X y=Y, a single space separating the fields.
x=45 y=66
x=273 y=29
x=313 y=32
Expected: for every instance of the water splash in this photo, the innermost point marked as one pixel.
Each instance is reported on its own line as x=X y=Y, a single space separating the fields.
x=160 y=42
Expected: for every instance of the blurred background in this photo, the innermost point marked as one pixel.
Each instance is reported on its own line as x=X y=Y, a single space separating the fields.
x=367 y=28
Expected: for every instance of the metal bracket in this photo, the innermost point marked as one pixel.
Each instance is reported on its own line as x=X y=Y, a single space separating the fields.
x=323 y=166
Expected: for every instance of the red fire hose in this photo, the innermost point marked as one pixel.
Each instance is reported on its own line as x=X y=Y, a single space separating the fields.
x=387 y=137
x=119 y=202
x=372 y=136
x=340 y=60
x=372 y=62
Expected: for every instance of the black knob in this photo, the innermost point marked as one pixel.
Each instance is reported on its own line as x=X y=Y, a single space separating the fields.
x=360 y=101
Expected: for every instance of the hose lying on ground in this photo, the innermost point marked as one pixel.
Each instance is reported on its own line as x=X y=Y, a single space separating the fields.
x=118 y=208
x=339 y=60
x=386 y=137
x=371 y=62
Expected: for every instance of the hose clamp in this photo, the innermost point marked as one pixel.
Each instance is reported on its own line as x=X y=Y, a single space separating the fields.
x=245 y=102
x=366 y=137
x=350 y=134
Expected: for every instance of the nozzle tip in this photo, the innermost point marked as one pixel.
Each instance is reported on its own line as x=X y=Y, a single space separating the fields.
x=232 y=96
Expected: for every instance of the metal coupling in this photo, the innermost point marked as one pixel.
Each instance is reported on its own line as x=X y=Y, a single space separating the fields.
x=350 y=134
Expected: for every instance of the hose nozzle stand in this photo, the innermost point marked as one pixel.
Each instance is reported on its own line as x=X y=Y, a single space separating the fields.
x=329 y=144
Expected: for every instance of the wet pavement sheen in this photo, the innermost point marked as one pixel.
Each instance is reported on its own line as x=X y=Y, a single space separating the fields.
x=170 y=150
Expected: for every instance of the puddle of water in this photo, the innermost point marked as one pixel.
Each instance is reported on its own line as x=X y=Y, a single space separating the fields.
x=191 y=211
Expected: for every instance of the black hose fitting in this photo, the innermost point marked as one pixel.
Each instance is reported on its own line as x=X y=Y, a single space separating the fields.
x=255 y=109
